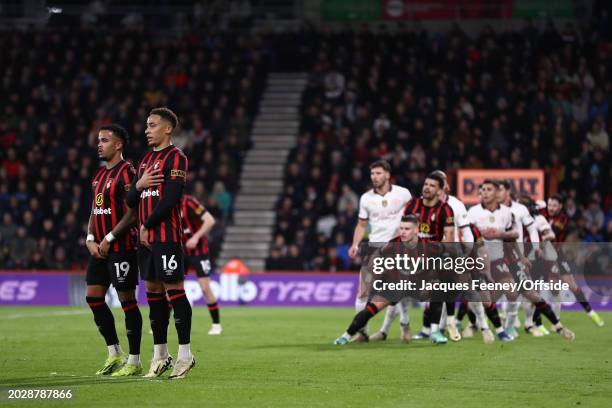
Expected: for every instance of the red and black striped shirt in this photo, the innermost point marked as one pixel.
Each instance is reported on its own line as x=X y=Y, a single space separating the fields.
x=559 y=223
x=173 y=165
x=109 y=187
x=432 y=220
x=193 y=211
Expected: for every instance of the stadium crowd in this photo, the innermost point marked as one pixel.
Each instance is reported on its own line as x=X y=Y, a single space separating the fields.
x=59 y=86
x=522 y=99
x=421 y=100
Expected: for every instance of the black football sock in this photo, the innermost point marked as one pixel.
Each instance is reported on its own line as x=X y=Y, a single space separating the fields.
x=586 y=306
x=159 y=315
x=472 y=317
x=133 y=325
x=537 y=317
x=213 y=309
x=547 y=311
x=463 y=309
x=450 y=308
x=582 y=300
x=493 y=315
x=435 y=313
x=426 y=316
x=362 y=318
x=104 y=319
x=182 y=314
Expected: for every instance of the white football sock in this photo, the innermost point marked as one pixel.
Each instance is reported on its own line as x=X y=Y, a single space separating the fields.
x=435 y=327
x=481 y=317
x=443 y=317
x=403 y=306
x=134 y=359
x=160 y=351
x=389 y=317
x=529 y=311
x=184 y=352
x=114 y=350
x=511 y=313
x=360 y=304
x=556 y=304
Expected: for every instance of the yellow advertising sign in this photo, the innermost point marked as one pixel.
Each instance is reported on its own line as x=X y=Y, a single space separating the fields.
x=525 y=182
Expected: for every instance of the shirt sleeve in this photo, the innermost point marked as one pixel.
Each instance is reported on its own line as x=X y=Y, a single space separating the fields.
x=448 y=216
x=176 y=168
x=363 y=212
x=196 y=207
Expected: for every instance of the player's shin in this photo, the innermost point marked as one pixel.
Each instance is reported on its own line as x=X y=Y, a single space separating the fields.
x=389 y=318
x=133 y=328
x=362 y=318
x=106 y=324
x=182 y=321
x=159 y=316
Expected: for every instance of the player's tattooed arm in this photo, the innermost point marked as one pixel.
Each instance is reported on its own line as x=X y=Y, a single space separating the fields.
x=128 y=220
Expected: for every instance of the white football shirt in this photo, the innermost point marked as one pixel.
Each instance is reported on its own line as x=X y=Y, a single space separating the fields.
x=460 y=214
x=500 y=219
x=384 y=212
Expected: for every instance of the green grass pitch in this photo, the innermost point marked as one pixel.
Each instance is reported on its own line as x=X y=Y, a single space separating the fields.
x=283 y=357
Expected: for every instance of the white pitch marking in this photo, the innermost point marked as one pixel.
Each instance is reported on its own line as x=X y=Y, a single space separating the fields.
x=46 y=314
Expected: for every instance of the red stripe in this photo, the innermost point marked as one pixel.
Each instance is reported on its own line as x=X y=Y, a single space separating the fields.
x=370 y=309
x=126 y=182
x=113 y=213
x=96 y=304
x=99 y=175
x=211 y=308
x=146 y=203
x=155 y=299
x=440 y=226
x=141 y=207
x=178 y=295
x=130 y=307
x=102 y=217
x=162 y=225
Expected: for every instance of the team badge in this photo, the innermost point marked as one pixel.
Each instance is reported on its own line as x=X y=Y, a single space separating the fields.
x=425 y=228
x=99 y=199
x=384 y=203
x=491 y=219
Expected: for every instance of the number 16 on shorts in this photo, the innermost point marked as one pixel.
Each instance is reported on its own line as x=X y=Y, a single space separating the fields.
x=169 y=263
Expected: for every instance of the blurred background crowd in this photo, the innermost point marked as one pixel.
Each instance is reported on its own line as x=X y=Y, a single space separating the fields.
x=538 y=97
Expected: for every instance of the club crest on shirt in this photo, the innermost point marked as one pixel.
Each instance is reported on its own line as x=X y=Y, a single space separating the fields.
x=384 y=203
x=99 y=199
x=491 y=219
x=425 y=228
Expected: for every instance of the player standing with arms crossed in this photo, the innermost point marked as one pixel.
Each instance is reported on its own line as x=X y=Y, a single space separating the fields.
x=111 y=242
x=198 y=223
x=162 y=174
x=382 y=208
